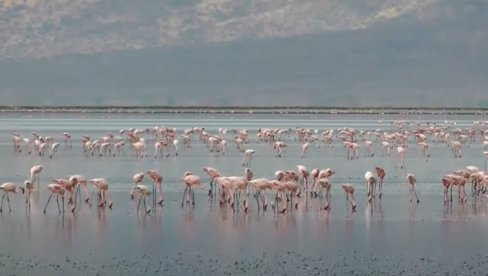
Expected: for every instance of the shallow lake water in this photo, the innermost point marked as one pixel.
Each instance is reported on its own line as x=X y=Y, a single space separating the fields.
x=389 y=236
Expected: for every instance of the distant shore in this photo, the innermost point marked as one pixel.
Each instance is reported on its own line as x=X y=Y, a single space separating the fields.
x=246 y=110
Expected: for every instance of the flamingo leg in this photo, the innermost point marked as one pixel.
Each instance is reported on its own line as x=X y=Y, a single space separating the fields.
x=145 y=207
x=47 y=203
x=184 y=195
x=210 y=192
x=87 y=193
x=160 y=189
x=1 y=206
x=132 y=190
x=8 y=200
x=27 y=197
x=139 y=204
x=451 y=193
x=57 y=201
x=256 y=196
x=415 y=193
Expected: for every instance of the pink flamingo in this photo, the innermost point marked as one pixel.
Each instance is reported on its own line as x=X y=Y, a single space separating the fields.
x=412 y=180
x=279 y=146
x=9 y=188
x=424 y=147
x=386 y=148
x=369 y=148
x=260 y=186
x=324 y=183
x=349 y=190
x=67 y=139
x=102 y=186
x=457 y=148
x=401 y=156
x=144 y=192
x=190 y=180
x=157 y=179
x=34 y=174
x=352 y=150
x=303 y=174
x=305 y=147
x=69 y=188
x=137 y=178
x=212 y=173
x=380 y=172
x=29 y=186
x=280 y=189
x=318 y=174
x=57 y=189
x=248 y=155
x=78 y=181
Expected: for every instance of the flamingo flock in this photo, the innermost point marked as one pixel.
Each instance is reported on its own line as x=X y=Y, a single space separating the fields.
x=284 y=191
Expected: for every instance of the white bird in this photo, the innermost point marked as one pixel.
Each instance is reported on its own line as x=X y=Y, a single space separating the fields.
x=54 y=148
x=248 y=155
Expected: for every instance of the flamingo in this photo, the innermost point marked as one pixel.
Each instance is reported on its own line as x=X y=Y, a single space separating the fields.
x=324 y=183
x=369 y=148
x=303 y=173
x=54 y=148
x=279 y=146
x=57 y=189
x=213 y=173
x=386 y=146
x=69 y=188
x=248 y=174
x=260 y=185
x=102 y=185
x=175 y=145
x=318 y=174
x=349 y=190
x=34 y=174
x=380 y=172
x=424 y=148
x=79 y=181
x=305 y=147
x=137 y=178
x=412 y=180
x=29 y=186
x=67 y=139
x=370 y=181
x=144 y=192
x=280 y=189
x=7 y=188
x=190 y=180
x=157 y=179
x=401 y=156
x=248 y=155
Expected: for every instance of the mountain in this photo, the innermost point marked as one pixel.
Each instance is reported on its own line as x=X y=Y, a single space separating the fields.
x=223 y=52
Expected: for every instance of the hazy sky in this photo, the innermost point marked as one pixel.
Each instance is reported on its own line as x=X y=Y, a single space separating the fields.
x=222 y=52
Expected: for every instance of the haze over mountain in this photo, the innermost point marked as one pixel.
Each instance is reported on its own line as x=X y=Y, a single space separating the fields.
x=230 y=52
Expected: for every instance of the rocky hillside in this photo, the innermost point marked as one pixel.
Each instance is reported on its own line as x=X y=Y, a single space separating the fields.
x=256 y=52
x=47 y=28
